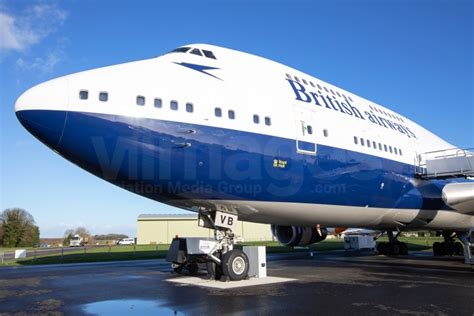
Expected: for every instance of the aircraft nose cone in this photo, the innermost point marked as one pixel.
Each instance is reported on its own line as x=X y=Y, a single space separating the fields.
x=46 y=125
x=42 y=110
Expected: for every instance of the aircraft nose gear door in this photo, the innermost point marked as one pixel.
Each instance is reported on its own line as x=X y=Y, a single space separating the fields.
x=305 y=130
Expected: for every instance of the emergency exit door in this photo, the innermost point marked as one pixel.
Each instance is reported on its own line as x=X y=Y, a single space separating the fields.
x=305 y=130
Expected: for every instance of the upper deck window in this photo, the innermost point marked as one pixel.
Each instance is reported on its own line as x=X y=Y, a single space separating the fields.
x=180 y=50
x=231 y=114
x=218 y=112
x=209 y=54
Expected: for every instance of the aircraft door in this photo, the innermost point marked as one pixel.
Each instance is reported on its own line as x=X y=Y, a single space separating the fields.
x=305 y=130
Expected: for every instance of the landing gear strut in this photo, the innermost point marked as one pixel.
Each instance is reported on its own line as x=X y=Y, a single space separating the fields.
x=449 y=246
x=222 y=260
x=393 y=247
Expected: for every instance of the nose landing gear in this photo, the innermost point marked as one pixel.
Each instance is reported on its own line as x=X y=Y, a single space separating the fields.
x=222 y=260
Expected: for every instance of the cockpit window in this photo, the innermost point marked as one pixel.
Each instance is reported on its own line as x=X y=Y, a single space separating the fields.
x=196 y=51
x=209 y=54
x=180 y=50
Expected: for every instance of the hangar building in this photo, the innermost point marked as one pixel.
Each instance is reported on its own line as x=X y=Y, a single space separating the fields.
x=162 y=228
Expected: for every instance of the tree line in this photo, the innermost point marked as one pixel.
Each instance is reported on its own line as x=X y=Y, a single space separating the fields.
x=18 y=229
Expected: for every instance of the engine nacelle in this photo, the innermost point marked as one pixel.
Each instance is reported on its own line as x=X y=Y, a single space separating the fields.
x=298 y=235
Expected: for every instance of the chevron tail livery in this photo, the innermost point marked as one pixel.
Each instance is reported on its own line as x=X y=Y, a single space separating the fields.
x=214 y=130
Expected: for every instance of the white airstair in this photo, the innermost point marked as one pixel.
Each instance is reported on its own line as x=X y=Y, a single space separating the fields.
x=448 y=163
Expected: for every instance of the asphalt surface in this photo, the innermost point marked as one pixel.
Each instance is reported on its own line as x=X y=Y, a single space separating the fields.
x=328 y=283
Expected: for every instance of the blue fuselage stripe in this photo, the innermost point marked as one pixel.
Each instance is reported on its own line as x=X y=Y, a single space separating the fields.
x=166 y=160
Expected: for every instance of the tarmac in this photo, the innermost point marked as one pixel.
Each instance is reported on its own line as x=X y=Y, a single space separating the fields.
x=327 y=283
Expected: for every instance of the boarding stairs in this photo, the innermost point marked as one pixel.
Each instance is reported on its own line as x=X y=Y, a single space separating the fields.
x=447 y=163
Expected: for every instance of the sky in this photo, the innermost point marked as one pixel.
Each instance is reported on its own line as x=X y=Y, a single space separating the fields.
x=412 y=56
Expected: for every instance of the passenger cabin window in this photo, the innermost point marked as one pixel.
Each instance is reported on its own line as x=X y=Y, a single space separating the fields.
x=356 y=140
x=385 y=147
x=196 y=51
x=395 y=150
x=374 y=144
x=400 y=152
x=309 y=129
x=288 y=76
x=83 y=94
x=218 y=112
x=209 y=54
x=189 y=107
x=174 y=105
x=368 y=143
x=256 y=119
x=140 y=100
x=158 y=103
x=390 y=148
x=103 y=96
x=362 y=142
x=304 y=81
x=325 y=133
x=231 y=114
x=268 y=121
x=380 y=146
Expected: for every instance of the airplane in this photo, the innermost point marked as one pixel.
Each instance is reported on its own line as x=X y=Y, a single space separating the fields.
x=219 y=131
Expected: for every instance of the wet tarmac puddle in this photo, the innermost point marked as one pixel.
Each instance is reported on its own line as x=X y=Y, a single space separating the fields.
x=129 y=307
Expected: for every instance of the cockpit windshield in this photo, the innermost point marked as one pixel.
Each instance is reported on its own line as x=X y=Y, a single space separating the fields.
x=180 y=50
x=195 y=51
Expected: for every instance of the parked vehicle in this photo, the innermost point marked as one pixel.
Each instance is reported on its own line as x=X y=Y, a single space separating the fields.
x=76 y=241
x=126 y=241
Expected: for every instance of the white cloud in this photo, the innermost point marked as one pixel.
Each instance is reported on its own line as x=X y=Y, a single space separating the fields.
x=18 y=33
x=40 y=64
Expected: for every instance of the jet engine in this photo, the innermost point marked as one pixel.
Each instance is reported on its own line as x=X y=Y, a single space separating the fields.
x=299 y=235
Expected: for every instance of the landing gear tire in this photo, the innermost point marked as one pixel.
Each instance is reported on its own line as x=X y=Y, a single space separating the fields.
x=403 y=249
x=382 y=248
x=458 y=249
x=178 y=270
x=193 y=268
x=392 y=249
x=235 y=265
x=438 y=249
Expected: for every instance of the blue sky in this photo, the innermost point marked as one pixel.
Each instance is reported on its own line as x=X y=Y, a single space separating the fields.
x=415 y=57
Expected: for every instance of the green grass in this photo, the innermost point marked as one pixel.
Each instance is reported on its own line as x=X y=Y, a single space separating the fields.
x=116 y=253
